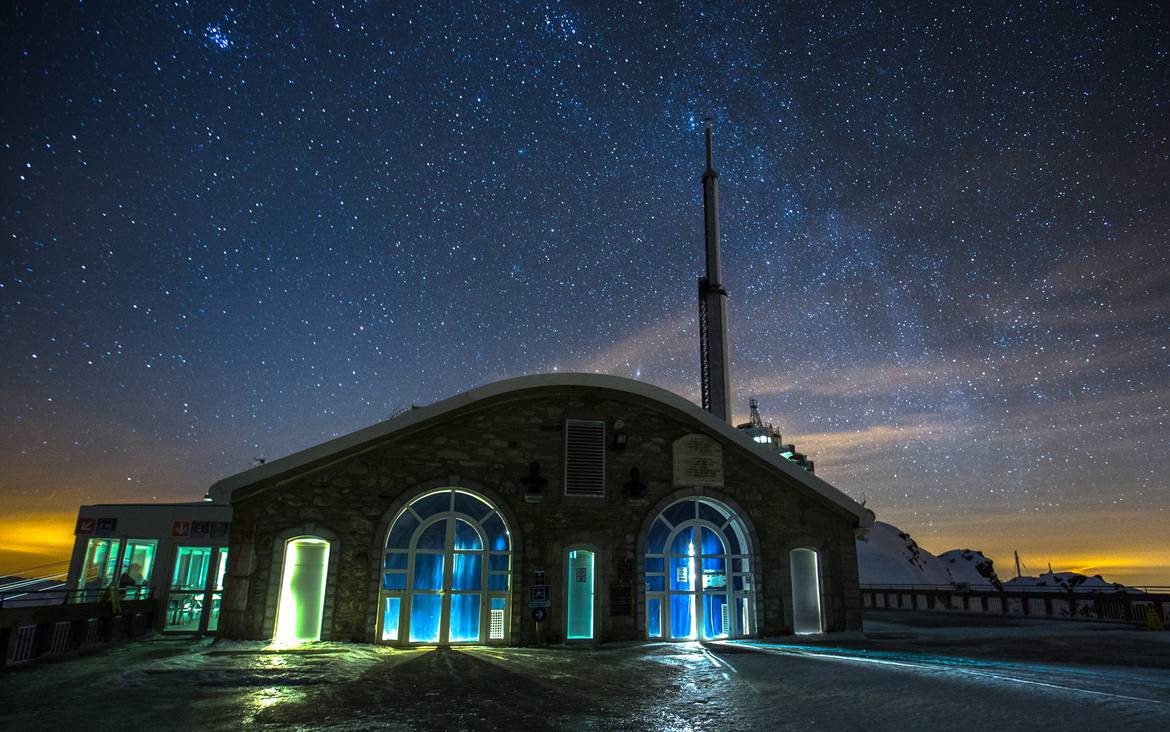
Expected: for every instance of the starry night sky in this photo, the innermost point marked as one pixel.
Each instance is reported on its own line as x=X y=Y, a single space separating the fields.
x=237 y=231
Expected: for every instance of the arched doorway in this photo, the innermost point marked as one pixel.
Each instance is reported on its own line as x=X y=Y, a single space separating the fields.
x=446 y=572
x=806 y=591
x=699 y=579
x=302 y=590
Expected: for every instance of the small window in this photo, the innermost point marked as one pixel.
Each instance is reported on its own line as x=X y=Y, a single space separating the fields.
x=584 y=458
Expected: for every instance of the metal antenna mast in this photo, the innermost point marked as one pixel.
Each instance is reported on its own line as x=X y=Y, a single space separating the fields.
x=715 y=369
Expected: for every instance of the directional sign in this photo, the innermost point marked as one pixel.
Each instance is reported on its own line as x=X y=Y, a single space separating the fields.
x=539 y=614
x=538 y=596
x=86 y=525
x=181 y=528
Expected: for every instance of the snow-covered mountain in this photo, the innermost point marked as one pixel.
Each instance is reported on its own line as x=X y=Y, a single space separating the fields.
x=889 y=556
x=970 y=566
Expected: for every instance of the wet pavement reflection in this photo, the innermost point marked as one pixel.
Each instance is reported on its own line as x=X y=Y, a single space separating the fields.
x=167 y=683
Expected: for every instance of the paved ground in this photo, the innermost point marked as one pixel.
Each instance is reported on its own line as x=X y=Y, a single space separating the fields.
x=964 y=673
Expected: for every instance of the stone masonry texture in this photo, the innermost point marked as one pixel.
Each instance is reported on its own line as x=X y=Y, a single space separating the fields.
x=487 y=446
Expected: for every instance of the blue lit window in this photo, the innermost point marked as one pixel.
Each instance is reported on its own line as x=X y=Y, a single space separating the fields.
x=447 y=571
x=698 y=573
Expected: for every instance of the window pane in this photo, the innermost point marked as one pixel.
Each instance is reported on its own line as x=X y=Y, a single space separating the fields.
x=424 y=618
x=500 y=562
x=403 y=529
x=656 y=540
x=464 y=618
x=680 y=512
x=707 y=512
x=684 y=542
x=428 y=572
x=654 y=618
x=682 y=616
x=466 y=537
x=737 y=544
x=655 y=583
x=682 y=573
x=468 y=572
x=712 y=544
x=497 y=535
x=432 y=504
x=470 y=505
x=714 y=573
x=391 y=608
x=657 y=564
x=496 y=619
x=137 y=564
x=395 y=560
x=498 y=582
x=716 y=621
x=394 y=581
x=433 y=536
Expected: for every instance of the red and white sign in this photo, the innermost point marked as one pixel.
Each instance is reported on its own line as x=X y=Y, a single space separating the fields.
x=86 y=526
x=180 y=528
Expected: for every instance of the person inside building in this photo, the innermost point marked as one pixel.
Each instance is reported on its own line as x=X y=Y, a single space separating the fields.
x=131 y=580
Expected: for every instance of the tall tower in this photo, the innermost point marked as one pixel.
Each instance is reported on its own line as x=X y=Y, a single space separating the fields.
x=715 y=370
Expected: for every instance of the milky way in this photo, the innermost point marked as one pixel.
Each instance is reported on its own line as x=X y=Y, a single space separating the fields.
x=233 y=232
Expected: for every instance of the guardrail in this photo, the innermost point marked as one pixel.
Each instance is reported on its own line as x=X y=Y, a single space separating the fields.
x=57 y=626
x=1119 y=606
x=38 y=598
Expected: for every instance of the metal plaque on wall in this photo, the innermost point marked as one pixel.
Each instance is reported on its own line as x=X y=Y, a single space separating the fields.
x=698 y=461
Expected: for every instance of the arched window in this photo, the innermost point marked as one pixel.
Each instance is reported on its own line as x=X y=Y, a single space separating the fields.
x=446 y=572
x=302 y=590
x=698 y=573
x=806 y=591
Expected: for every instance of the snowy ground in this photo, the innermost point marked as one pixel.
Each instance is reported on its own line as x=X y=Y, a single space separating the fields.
x=965 y=673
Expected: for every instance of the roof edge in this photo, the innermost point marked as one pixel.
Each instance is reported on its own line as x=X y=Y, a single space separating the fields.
x=221 y=490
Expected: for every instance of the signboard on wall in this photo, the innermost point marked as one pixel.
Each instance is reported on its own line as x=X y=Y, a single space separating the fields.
x=105 y=526
x=181 y=528
x=86 y=525
x=538 y=596
x=698 y=461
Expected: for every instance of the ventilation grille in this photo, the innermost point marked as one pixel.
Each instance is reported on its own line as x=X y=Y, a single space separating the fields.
x=496 y=628
x=584 y=458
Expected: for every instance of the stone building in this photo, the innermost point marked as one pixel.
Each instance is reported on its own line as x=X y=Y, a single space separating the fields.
x=603 y=507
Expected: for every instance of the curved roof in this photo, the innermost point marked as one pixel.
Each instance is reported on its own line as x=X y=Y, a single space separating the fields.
x=221 y=491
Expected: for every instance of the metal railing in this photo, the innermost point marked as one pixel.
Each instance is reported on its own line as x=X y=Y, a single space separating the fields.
x=1129 y=605
x=38 y=598
x=63 y=621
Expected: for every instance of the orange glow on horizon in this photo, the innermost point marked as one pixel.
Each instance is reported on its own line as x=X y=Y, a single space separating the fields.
x=32 y=539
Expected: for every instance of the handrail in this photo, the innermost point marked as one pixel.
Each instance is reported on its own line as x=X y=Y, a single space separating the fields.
x=92 y=595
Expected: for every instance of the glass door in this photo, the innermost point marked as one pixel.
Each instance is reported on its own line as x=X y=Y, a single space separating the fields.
x=217 y=589
x=580 y=592
x=188 y=590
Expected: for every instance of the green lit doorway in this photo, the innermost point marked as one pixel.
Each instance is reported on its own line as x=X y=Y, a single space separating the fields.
x=302 y=590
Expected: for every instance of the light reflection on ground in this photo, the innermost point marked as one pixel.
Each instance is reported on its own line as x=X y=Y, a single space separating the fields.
x=796 y=683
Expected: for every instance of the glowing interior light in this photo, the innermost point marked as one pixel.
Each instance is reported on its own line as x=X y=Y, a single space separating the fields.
x=302 y=591
x=806 y=592
x=580 y=605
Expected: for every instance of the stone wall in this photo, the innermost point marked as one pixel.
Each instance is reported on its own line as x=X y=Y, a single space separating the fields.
x=488 y=447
